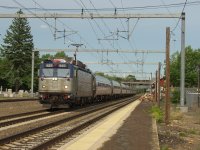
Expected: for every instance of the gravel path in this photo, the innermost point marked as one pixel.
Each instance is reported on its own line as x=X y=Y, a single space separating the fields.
x=11 y=108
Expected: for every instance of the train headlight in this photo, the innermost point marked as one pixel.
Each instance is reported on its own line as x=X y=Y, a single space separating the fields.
x=55 y=79
x=66 y=86
x=43 y=86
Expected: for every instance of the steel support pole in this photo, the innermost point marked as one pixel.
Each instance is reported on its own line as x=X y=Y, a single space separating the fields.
x=182 y=84
x=32 y=73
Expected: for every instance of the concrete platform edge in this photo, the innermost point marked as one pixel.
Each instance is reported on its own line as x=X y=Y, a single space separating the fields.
x=155 y=144
x=106 y=136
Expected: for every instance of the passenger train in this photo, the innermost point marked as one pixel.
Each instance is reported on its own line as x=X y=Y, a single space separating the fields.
x=63 y=84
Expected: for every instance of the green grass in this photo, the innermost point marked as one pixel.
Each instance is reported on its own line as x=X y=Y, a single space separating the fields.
x=192 y=131
x=157 y=113
x=183 y=134
x=164 y=147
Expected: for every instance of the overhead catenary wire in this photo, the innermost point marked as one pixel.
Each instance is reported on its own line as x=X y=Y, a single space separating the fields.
x=124 y=29
x=43 y=20
x=130 y=44
x=179 y=17
x=97 y=23
x=92 y=27
x=105 y=23
x=82 y=4
x=66 y=26
x=168 y=9
x=40 y=18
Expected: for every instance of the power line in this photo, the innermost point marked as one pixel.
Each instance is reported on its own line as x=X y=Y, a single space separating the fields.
x=92 y=25
x=49 y=25
x=104 y=50
x=123 y=63
x=64 y=24
x=124 y=30
x=95 y=33
x=99 y=26
x=45 y=20
x=104 y=21
x=179 y=17
x=122 y=56
x=70 y=28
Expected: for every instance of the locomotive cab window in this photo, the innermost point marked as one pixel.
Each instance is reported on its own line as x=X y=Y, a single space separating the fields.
x=50 y=69
x=63 y=72
x=47 y=72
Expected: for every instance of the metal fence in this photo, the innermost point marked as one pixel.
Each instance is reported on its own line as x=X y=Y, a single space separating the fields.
x=192 y=97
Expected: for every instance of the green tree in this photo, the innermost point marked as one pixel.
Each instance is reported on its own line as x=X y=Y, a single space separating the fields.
x=59 y=55
x=17 y=48
x=130 y=78
x=46 y=57
x=175 y=69
x=3 y=70
x=191 y=62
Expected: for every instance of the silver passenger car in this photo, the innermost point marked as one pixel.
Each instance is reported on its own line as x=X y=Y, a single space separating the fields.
x=103 y=87
x=116 y=88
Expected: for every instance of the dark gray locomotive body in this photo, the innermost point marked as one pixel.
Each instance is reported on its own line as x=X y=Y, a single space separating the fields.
x=63 y=84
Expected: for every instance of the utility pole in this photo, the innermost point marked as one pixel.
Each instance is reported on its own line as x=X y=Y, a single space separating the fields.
x=198 y=85
x=156 y=87
x=151 y=85
x=167 y=95
x=159 y=64
x=32 y=72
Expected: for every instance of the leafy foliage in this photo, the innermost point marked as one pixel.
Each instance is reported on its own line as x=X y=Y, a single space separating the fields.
x=3 y=70
x=192 y=61
x=16 y=52
x=176 y=96
x=157 y=113
x=60 y=55
x=128 y=78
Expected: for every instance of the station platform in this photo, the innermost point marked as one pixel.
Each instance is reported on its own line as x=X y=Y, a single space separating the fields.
x=130 y=128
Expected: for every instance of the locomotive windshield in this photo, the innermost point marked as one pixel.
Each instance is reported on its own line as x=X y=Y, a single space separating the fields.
x=47 y=72
x=55 y=72
x=54 y=69
x=63 y=73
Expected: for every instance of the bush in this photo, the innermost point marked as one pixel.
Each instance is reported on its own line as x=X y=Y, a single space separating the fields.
x=157 y=113
x=175 y=96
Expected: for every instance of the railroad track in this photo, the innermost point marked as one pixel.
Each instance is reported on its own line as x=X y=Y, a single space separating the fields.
x=45 y=136
x=22 y=114
x=14 y=119
x=18 y=99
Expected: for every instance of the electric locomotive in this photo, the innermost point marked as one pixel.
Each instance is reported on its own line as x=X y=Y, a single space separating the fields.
x=63 y=84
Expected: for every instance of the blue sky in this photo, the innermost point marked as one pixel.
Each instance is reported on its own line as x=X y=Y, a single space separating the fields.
x=149 y=34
